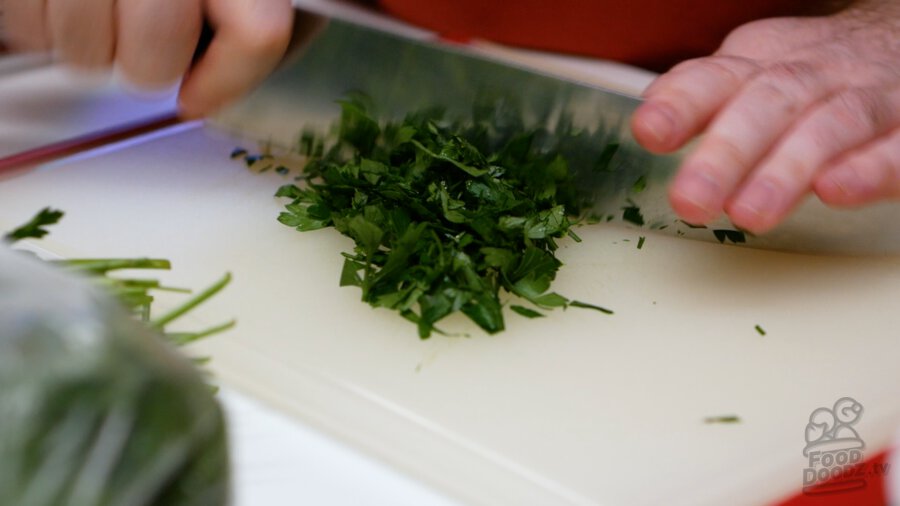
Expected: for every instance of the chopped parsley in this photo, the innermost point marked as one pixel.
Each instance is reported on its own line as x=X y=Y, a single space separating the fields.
x=735 y=236
x=639 y=185
x=632 y=214
x=445 y=215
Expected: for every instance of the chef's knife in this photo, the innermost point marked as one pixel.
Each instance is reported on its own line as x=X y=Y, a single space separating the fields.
x=401 y=74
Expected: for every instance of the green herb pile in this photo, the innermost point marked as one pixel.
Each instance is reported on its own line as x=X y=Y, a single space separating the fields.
x=445 y=215
x=137 y=294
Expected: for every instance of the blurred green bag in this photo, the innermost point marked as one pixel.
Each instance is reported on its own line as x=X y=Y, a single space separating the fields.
x=94 y=408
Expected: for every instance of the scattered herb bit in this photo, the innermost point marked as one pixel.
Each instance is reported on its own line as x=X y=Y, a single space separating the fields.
x=238 y=153
x=632 y=214
x=252 y=160
x=722 y=419
x=585 y=305
x=735 y=236
x=604 y=161
x=691 y=225
x=722 y=235
x=640 y=243
x=524 y=311
x=760 y=330
x=34 y=229
x=281 y=170
x=445 y=215
x=639 y=185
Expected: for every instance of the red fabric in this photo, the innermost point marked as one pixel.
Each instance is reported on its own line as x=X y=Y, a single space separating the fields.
x=650 y=33
x=872 y=494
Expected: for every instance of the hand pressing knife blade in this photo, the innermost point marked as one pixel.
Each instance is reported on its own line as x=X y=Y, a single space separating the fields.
x=400 y=74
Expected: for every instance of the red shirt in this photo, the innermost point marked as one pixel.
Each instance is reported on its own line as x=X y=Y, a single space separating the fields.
x=650 y=33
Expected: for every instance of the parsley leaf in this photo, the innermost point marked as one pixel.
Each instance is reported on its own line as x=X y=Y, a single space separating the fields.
x=34 y=229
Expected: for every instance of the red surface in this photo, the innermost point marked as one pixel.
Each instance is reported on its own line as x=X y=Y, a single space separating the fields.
x=872 y=494
x=649 y=33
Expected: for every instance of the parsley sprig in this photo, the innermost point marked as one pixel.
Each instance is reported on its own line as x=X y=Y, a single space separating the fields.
x=445 y=215
x=136 y=294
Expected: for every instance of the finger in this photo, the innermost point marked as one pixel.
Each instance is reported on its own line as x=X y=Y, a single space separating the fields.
x=83 y=33
x=25 y=25
x=866 y=175
x=741 y=135
x=845 y=121
x=251 y=36
x=156 y=39
x=680 y=103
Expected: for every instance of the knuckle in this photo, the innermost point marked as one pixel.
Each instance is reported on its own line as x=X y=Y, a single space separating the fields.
x=789 y=86
x=797 y=74
x=745 y=33
x=144 y=75
x=728 y=153
x=91 y=62
x=773 y=96
x=756 y=35
x=270 y=40
x=717 y=67
x=791 y=173
x=723 y=70
x=685 y=65
x=859 y=108
x=89 y=56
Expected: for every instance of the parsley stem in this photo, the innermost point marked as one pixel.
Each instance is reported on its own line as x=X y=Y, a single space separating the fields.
x=200 y=298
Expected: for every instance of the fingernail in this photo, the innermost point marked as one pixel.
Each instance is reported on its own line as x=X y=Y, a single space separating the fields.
x=701 y=192
x=758 y=205
x=658 y=120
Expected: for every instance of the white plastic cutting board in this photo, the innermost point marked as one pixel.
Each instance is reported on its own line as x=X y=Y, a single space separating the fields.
x=575 y=408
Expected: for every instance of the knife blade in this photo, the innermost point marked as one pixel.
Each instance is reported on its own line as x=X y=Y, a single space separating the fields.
x=401 y=74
